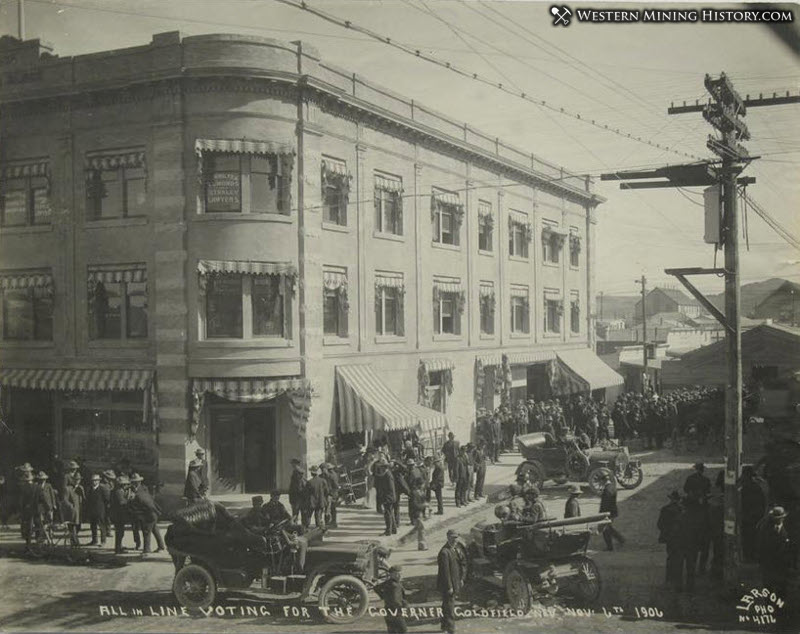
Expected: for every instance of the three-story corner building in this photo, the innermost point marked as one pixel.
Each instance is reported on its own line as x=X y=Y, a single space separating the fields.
x=225 y=241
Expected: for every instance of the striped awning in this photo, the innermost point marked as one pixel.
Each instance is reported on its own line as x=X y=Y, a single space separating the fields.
x=386 y=280
x=242 y=146
x=486 y=290
x=438 y=364
x=333 y=280
x=447 y=198
x=245 y=267
x=531 y=356
x=134 y=157
x=13 y=281
x=366 y=402
x=387 y=184
x=334 y=167
x=591 y=368
x=22 y=169
x=518 y=291
x=71 y=379
x=448 y=286
x=518 y=217
x=495 y=358
x=113 y=274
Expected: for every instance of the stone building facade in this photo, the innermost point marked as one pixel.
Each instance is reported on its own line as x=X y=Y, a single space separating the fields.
x=225 y=241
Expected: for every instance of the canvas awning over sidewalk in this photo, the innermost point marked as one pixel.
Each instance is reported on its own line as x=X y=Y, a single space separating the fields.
x=589 y=368
x=366 y=402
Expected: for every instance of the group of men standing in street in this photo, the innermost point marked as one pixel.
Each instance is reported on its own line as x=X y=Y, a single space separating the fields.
x=317 y=496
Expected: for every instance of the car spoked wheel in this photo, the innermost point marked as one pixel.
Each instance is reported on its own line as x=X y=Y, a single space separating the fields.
x=577 y=465
x=343 y=599
x=597 y=479
x=630 y=476
x=194 y=587
x=588 y=584
x=518 y=591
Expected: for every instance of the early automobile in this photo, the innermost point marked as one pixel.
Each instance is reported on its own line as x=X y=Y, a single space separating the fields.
x=545 y=458
x=212 y=550
x=536 y=560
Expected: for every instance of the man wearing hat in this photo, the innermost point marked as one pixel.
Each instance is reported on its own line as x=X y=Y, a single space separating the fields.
x=107 y=480
x=450 y=452
x=332 y=478
x=118 y=511
x=71 y=498
x=274 y=511
x=449 y=580
x=254 y=519
x=98 y=499
x=572 y=508
x=394 y=599
x=196 y=485
x=145 y=513
x=297 y=488
x=776 y=556
x=608 y=504
x=534 y=510
x=317 y=489
x=461 y=477
x=437 y=482
x=698 y=486
x=386 y=494
x=27 y=503
x=669 y=519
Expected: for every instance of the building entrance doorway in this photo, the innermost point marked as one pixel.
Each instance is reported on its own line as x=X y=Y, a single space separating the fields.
x=243 y=449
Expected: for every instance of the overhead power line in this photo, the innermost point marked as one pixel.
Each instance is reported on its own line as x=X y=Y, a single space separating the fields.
x=347 y=24
x=774 y=224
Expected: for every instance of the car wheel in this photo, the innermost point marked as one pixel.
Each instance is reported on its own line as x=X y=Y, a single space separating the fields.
x=343 y=599
x=518 y=591
x=630 y=477
x=194 y=587
x=577 y=465
x=588 y=584
x=535 y=474
x=597 y=479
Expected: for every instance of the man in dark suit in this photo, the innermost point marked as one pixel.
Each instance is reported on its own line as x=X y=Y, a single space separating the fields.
x=274 y=511
x=450 y=451
x=608 y=504
x=317 y=489
x=437 y=483
x=394 y=599
x=297 y=486
x=572 y=508
x=449 y=580
x=669 y=522
x=196 y=485
x=479 y=457
x=698 y=487
x=119 y=511
x=332 y=478
x=462 y=477
x=26 y=492
x=400 y=488
x=98 y=498
x=145 y=511
x=386 y=494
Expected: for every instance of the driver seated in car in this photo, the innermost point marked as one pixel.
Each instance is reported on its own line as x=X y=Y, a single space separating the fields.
x=274 y=511
x=254 y=520
x=534 y=510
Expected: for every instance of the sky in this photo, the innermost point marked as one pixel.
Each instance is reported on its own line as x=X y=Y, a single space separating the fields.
x=621 y=75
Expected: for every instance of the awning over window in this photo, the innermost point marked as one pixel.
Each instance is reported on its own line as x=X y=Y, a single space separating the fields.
x=366 y=402
x=530 y=356
x=448 y=286
x=112 y=274
x=387 y=184
x=334 y=167
x=22 y=169
x=82 y=380
x=245 y=267
x=241 y=146
x=12 y=281
x=489 y=359
x=114 y=160
x=386 y=280
x=518 y=291
x=257 y=390
x=589 y=367
x=447 y=198
x=486 y=290
x=518 y=217
x=437 y=365
x=333 y=280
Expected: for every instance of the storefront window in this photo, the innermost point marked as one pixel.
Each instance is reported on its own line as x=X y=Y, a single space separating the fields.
x=116 y=193
x=227 y=177
x=229 y=297
x=118 y=310
x=224 y=306
x=27 y=314
x=24 y=201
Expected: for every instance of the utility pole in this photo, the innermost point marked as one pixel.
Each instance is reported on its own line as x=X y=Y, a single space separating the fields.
x=601 y=305
x=21 y=19
x=643 y=282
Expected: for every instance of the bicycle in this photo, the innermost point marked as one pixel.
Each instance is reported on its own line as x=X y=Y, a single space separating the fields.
x=51 y=538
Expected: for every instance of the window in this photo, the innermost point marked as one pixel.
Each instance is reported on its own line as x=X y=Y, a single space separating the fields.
x=335 y=191
x=519 y=235
x=574 y=247
x=552 y=241
x=389 y=296
x=25 y=194
x=245 y=299
x=448 y=305
x=520 y=319
x=553 y=309
x=575 y=314
x=117 y=302
x=487 y=307
x=27 y=307
x=446 y=214
x=116 y=184
x=485 y=226
x=388 y=204
x=246 y=177
x=435 y=392
x=334 y=302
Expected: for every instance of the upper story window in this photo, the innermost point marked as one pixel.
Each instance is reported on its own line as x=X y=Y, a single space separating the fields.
x=389 y=298
x=448 y=306
x=25 y=193
x=487 y=307
x=520 y=309
x=447 y=213
x=485 y=226
x=335 y=305
x=552 y=243
x=246 y=300
x=519 y=234
x=247 y=177
x=335 y=191
x=116 y=184
x=27 y=306
x=388 y=204
x=117 y=301
x=575 y=313
x=574 y=247
x=553 y=311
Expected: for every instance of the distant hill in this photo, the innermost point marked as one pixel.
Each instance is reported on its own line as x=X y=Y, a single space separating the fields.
x=616 y=306
x=751 y=295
